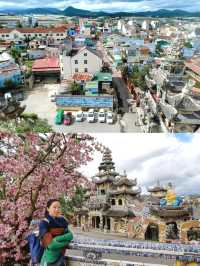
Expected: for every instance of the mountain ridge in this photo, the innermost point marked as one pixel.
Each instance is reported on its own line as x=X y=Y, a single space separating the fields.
x=71 y=11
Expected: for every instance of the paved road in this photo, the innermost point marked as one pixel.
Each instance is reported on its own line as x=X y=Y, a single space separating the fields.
x=122 y=92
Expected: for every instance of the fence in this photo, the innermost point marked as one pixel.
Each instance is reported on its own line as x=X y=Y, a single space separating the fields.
x=93 y=250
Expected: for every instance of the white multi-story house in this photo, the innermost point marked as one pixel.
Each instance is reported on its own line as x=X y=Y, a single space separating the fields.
x=86 y=60
x=57 y=34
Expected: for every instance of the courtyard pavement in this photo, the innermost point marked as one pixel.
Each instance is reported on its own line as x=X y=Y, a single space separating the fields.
x=38 y=101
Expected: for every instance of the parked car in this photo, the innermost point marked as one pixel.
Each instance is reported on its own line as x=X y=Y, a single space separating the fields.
x=52 y=97
x=79 y=116
x=102 y=116
x=110 y=118
x=59 y=117
x=67 y=119
x=91 y=116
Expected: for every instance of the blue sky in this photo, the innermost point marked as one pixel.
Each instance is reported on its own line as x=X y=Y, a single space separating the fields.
x=151 y=157
x=106 y=5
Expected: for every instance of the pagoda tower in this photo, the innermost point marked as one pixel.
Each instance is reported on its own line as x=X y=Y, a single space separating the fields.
x=124 y=191
x=106 y=175
x=158 y=191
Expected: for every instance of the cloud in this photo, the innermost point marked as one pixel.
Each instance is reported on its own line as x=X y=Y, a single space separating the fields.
x=153 y=157
x=107 y=5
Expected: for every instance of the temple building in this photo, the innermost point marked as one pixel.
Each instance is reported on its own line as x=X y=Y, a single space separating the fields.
x=116 y=205
x=110 y=207
x=169 y=219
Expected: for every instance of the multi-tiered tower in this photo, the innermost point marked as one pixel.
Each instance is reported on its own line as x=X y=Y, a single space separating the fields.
x=110 y=206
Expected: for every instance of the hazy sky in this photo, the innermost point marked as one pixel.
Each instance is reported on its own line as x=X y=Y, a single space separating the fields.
x=106 y=5
x=168 y=158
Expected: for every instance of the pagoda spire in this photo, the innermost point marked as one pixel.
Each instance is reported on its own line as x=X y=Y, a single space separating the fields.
x=107 y=164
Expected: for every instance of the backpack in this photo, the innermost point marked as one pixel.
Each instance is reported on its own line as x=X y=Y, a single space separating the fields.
x=35 y=247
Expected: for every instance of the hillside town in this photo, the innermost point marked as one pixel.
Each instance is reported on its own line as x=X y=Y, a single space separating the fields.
x=104 y=74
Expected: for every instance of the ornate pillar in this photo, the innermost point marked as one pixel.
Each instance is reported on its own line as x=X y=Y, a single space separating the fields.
x=106 y=225
x=89 y=222
x=101 y=223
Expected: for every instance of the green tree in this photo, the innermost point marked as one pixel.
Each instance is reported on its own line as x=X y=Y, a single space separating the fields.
x=27 y=122
x=19 y=24
x=69 y=204
x=76 y=89
x=16 y=54
x=36 y=24
x=9 y=84
x=188 y=45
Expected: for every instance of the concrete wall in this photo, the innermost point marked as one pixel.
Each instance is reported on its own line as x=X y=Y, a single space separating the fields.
x=80 y=261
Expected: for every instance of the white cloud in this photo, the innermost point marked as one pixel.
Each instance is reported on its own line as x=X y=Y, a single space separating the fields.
x=154 y=157
x=106 y=5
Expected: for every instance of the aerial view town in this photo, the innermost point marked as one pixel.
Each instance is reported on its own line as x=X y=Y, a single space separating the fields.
x=99 y=133
x=94 y=72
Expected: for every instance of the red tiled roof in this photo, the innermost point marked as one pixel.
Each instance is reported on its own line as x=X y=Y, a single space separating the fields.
x=82 y=76
x=35 y=30
x=193 y=66
x=196 y=90
x=5 y=30
x=47 y=64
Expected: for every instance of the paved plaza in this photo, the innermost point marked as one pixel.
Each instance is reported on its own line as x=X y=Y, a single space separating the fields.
x=38 y=101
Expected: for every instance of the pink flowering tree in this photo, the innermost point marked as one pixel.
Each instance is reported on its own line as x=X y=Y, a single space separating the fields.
x=33 y=169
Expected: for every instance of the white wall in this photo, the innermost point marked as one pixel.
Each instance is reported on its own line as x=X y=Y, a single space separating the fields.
x=94 y=64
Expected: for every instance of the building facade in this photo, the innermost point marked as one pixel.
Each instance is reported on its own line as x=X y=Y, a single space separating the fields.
x=117 y=206
x=86 y=60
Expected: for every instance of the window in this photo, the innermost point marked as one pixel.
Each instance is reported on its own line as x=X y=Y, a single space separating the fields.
x=86 y=70
x=3 y=35
x=103 y=192
x=113 y=202
x=57 y=34
x=76 y=69
x=85 y=54
x=76 y=62
x=120 y=202
x=85 y=62
x=7 y=35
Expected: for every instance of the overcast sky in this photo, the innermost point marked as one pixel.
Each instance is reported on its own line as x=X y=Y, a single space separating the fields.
x=106 y=5
x=152 y=157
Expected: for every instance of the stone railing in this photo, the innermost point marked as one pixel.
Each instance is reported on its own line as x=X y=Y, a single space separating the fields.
x=94 y=252
x=119 y=208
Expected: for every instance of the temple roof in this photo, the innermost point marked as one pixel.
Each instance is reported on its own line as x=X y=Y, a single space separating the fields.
x=105 y=179
x=11 y=110
x=119 y=213
x=136 y=191
x=156 y=189
x=125 y=181
x=107 y=163
x=183 y=101
x=82 y=210
x=170 y=211
x=169 y=111
x=106 y=173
